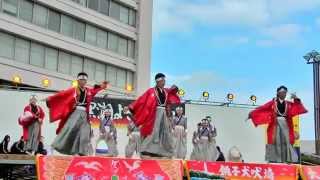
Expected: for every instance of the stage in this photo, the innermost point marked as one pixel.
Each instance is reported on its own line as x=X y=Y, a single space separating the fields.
x=76 y=167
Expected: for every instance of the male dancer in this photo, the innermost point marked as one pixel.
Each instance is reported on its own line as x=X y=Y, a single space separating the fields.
x=278 y=114
x=71 y=108
x=31 y=121
x=151 y=113
x=180 y=133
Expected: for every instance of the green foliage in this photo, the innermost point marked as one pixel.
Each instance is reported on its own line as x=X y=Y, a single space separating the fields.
x=204 y=175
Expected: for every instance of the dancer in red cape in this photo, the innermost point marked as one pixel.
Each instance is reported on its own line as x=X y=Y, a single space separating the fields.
x=71 y=108
x=278 y=114
x=31 y=122
x=151 y=114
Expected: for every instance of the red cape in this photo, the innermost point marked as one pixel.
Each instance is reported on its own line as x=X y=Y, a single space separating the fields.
x=144 y=109
x=26 y=121
x=62 y=104
x=266 y=114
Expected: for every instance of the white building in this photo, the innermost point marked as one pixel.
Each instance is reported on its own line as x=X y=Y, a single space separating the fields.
x=53 y=40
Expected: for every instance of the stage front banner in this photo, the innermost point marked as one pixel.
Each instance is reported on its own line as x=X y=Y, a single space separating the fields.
x=103 y=168
x=310 y=172
x=245 y=171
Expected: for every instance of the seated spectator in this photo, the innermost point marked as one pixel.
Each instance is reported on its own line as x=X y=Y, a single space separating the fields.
x=41 y=149
x=18 y=147
x=4 y=145
x=221 y=155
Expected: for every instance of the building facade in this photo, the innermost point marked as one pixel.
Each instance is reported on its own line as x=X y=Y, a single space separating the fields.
x=47 y=42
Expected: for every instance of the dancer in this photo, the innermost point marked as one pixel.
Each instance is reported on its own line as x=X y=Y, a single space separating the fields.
x=31 y=121
x=109 y=133
x=133 y=134
x=196 y=151
x=278 y=114
x=180 y=133
x=152 y=114
x=204 y=144
x=71 y=108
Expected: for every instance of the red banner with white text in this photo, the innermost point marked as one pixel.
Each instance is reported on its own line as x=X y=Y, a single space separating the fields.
x=310 y=172
x=245 y=171
x=103 y=168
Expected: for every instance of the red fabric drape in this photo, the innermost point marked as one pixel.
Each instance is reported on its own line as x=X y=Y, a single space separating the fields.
x=62 y=104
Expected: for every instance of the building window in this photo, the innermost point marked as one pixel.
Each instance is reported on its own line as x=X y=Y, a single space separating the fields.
x=121 y=78
x=67 y=26
x=37 y=55
x=100 y=74
x=132 y=17
x=114 y=10
x=123 y=46
x=76 y=65
x=91 y=35
x=6 y=45
x=111 y=75
x=10 y=7
x=93 y=4
x=104 y=7
x=54 y=21
x=40 y=14
x=26 y=10
x=89 y=67
x=124 y=14
x=113 y=42
x=81 y=2
x=51 y=61
x=79 y=30
x=111 y=8
x=22 y=51
x=64 y=62
x=131 y=50
x=102 y=39
x=129 y=79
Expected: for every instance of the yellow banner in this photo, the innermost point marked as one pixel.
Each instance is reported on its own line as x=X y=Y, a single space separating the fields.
x=296 y=128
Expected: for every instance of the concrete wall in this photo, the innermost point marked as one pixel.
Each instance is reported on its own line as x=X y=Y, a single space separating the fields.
x=144 y=45
x=231 y=128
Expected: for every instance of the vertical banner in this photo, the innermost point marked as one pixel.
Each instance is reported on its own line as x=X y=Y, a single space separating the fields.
x=296 y=128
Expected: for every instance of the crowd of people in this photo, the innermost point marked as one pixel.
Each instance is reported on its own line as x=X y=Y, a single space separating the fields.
x=153 y=130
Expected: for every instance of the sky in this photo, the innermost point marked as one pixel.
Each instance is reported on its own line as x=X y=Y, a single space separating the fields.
x=244 y=47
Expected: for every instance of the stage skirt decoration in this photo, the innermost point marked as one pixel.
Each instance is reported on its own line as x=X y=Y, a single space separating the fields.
x=69 y=167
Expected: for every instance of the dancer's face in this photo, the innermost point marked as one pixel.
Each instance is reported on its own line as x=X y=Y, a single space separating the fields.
x=33 y=101
x=125 y=109
x=282 y=95
x=82 y=83
x=161 y=83
x=179 y=112
x=205 y=124
x=108 y=114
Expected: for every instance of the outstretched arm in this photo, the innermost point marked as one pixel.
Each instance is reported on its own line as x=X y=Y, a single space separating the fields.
x=262 y=114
